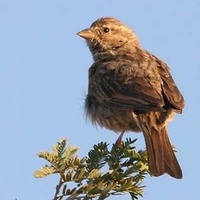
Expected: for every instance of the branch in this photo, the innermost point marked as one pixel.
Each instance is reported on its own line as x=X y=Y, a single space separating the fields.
x=104 y=172
x=58 y=187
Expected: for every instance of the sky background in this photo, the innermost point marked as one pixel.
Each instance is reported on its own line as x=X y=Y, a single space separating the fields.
x=43 y=82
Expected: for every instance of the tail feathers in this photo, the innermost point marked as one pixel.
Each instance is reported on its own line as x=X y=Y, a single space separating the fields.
x=172 y=166
x=161 y=157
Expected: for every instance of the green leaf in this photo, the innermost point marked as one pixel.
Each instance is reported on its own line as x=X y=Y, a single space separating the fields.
x=95 y=173
x=104 y=172
x=79 y=175
x=70 y=151
x=45 y=171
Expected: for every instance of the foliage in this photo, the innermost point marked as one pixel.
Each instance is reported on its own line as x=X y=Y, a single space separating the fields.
x=101 y=174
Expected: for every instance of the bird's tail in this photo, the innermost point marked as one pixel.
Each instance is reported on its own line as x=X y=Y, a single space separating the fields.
x=161 y=157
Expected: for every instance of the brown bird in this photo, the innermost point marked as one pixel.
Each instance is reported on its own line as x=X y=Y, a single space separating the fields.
x=132 y=90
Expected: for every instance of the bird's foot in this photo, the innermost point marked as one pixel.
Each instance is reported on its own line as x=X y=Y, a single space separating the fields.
x=119 y=140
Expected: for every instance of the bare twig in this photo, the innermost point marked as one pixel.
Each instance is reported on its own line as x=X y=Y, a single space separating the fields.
x=58 y=188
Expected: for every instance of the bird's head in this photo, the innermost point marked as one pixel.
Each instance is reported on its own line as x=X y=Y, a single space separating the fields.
x=108 y=34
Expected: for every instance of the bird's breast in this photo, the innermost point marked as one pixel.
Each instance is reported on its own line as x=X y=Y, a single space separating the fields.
x=114 y=119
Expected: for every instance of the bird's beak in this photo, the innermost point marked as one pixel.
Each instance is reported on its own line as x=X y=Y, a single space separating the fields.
x=86 y=34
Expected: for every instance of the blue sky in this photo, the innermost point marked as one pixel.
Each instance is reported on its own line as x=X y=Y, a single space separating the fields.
x=43 y=81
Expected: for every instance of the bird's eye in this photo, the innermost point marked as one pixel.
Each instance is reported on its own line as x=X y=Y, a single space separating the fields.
x=106 y=30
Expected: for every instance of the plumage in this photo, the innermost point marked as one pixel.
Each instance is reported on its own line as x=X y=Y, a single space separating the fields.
x=132 y=90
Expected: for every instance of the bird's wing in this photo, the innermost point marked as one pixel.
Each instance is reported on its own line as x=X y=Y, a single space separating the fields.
x=145 y=86
x=121 y=84
x=172 y=96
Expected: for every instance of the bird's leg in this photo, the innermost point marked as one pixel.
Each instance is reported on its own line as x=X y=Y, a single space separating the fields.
x=119 y=140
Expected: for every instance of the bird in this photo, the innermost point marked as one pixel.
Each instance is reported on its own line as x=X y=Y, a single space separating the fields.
x=130 y=89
